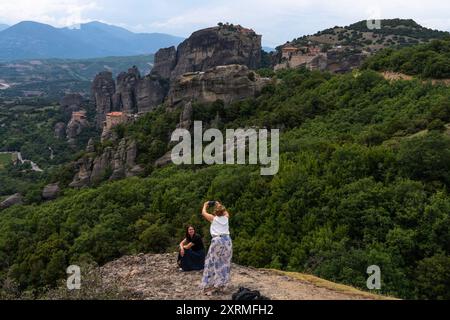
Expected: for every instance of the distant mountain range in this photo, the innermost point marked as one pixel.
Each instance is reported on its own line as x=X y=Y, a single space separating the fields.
x=32 y=40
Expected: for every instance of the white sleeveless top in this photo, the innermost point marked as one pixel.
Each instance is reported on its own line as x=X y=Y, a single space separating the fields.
x=220 y=226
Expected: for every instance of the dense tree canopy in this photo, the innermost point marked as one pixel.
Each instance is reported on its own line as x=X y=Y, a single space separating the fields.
x=363 y=180
x=430 y=60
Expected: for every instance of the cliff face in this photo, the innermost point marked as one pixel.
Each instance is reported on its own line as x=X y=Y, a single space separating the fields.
x=112 y=163
x=165 y=61
x=77 y=123
x=126 y=91
x=130 y=93
x=151 y=92
x=334 y=60
x=103 y=90
x=227 y=83
x=70 y=103
x=208 y=48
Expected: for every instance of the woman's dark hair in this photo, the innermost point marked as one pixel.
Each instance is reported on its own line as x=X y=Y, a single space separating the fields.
x=188 y=237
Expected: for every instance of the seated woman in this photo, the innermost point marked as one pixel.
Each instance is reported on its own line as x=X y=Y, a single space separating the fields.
x=192 y=251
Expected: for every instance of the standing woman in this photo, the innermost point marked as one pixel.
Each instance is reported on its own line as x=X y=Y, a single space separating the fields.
x=216 y=275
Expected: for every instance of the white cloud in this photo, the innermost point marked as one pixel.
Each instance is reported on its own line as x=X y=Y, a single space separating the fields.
x=55 y=12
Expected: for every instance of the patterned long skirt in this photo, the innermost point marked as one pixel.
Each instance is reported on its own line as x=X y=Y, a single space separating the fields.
x=218 y=263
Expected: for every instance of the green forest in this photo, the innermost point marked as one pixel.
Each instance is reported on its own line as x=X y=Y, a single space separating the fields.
x=429 y=60
x=27 y=126
x=364 y=178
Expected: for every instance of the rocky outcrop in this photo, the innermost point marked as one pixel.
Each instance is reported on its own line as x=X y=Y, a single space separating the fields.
x=125 y=96
x=205 y=49
x=186 y=117
x=13 y=200
x=60 y=130
x=51 y=191
x=112 y=163
x=151 y=92
x=336 y=60
x=130 y=94
x=103 y=90
x=77 y=123
x=157 y=277
x=70 y=103
x=209 y=48
x=227 y=83
x=344 y=61
x=165 y=62
x=90 y=146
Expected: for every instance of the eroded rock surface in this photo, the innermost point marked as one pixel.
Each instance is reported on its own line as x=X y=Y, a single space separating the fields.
x=157 y=277
x=113 y=163
x=209 y=48
x=227 y=83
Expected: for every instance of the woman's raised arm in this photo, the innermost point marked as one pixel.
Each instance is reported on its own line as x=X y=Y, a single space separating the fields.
x=205 y=213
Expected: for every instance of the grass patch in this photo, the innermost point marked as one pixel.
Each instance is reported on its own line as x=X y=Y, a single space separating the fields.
x=333 y=286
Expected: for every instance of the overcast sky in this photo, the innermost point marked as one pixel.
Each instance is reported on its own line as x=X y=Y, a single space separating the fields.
x=277 y=20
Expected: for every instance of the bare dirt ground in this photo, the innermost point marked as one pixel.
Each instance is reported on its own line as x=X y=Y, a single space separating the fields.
x=157 y=277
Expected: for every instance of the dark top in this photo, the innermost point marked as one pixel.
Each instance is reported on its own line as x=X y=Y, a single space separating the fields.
x=197 y=241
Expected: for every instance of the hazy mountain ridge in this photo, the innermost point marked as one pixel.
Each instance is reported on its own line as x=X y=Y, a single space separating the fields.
x=56 y=76
x=32 y=40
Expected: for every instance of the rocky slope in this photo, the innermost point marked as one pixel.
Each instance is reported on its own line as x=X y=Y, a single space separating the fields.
x=227 y=83
x=341 y=49
x=111 y=163
x=156 y=277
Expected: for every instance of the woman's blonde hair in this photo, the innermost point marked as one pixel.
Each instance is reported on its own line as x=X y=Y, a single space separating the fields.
x=219 y=210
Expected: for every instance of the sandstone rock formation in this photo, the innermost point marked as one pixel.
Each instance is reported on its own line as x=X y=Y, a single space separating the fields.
x=130 y=94
x=227 y=83
x=51 y=191
x=342 y=62
x=165 y=61
x=112 y=163
x=77 y=123
x=103 y=90
x=70 y=103
x=337 y=60
x=60 y=130
x=211 y=47
x=90 y=146
x=151 y=92
x=205 y=49
x=13 y=200
x=126 y=87
x=186 y=117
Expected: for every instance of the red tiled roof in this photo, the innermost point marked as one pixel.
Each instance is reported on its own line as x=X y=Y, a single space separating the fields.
x=115 y=114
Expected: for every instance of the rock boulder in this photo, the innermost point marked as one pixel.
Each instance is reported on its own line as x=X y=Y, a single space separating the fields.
x=227 y=83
